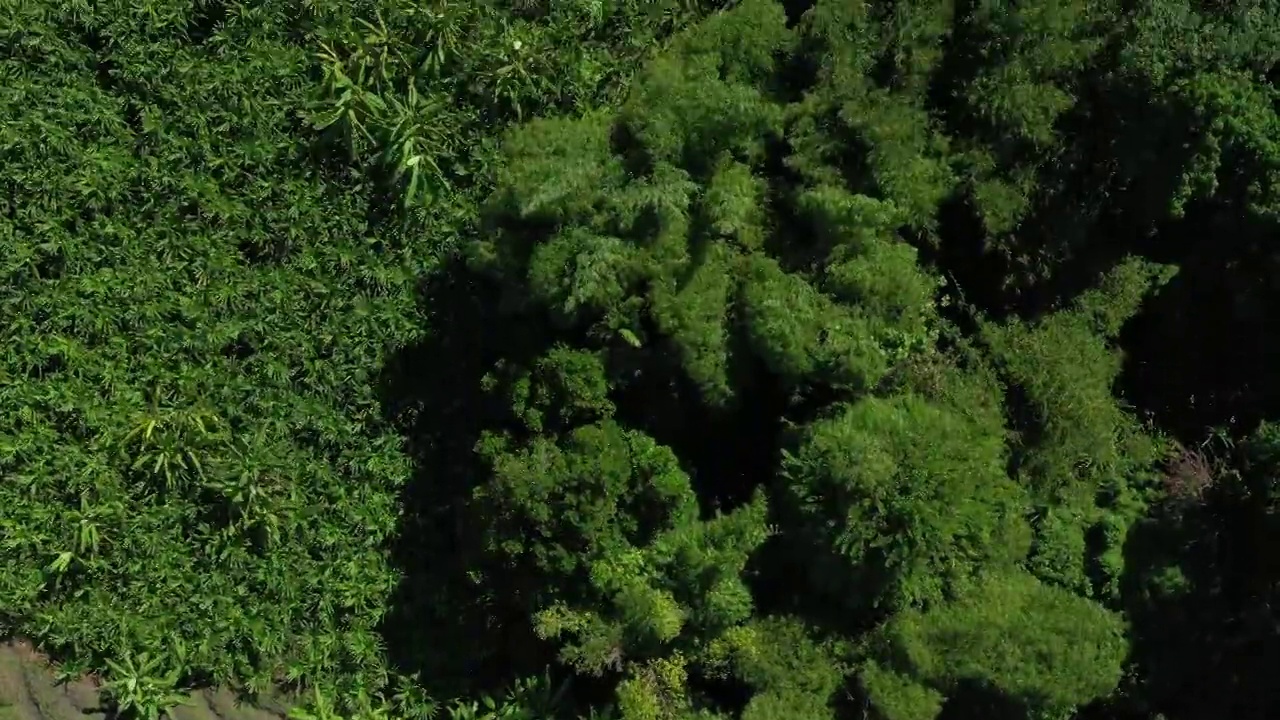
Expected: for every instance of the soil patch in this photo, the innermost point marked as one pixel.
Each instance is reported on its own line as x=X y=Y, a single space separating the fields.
x=30 y=690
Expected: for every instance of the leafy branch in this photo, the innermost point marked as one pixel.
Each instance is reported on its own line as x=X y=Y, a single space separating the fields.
x=139 y=690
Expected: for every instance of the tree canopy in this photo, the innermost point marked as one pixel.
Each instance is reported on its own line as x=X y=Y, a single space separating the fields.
x=744 y=360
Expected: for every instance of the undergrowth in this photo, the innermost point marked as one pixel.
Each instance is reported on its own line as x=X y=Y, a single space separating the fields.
x=214 y=221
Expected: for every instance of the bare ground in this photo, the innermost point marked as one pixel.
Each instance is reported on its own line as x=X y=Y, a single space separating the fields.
x=29 y=690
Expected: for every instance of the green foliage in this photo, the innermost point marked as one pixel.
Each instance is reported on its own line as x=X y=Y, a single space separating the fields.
x=1204 y=69
x=793 y=674
x=898 y=697
x=1066 y=371
x=658 y=244
x=191 y=467
x=702 y=100
x=717 y=434
x=530 y=698
x=678 y=231
x=696 y=319
x=415 y=94
x=1042 y=646
x=557 y=168
x=801 y=334
x=1088 y=463
x=913 y=496
x=680 y=589
x=655 y=692
x=136 y=691
x=566 y=387
x=196 y=313
x=598 y=488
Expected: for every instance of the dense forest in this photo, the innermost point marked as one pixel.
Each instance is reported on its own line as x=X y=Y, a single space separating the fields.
x=645 y=359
